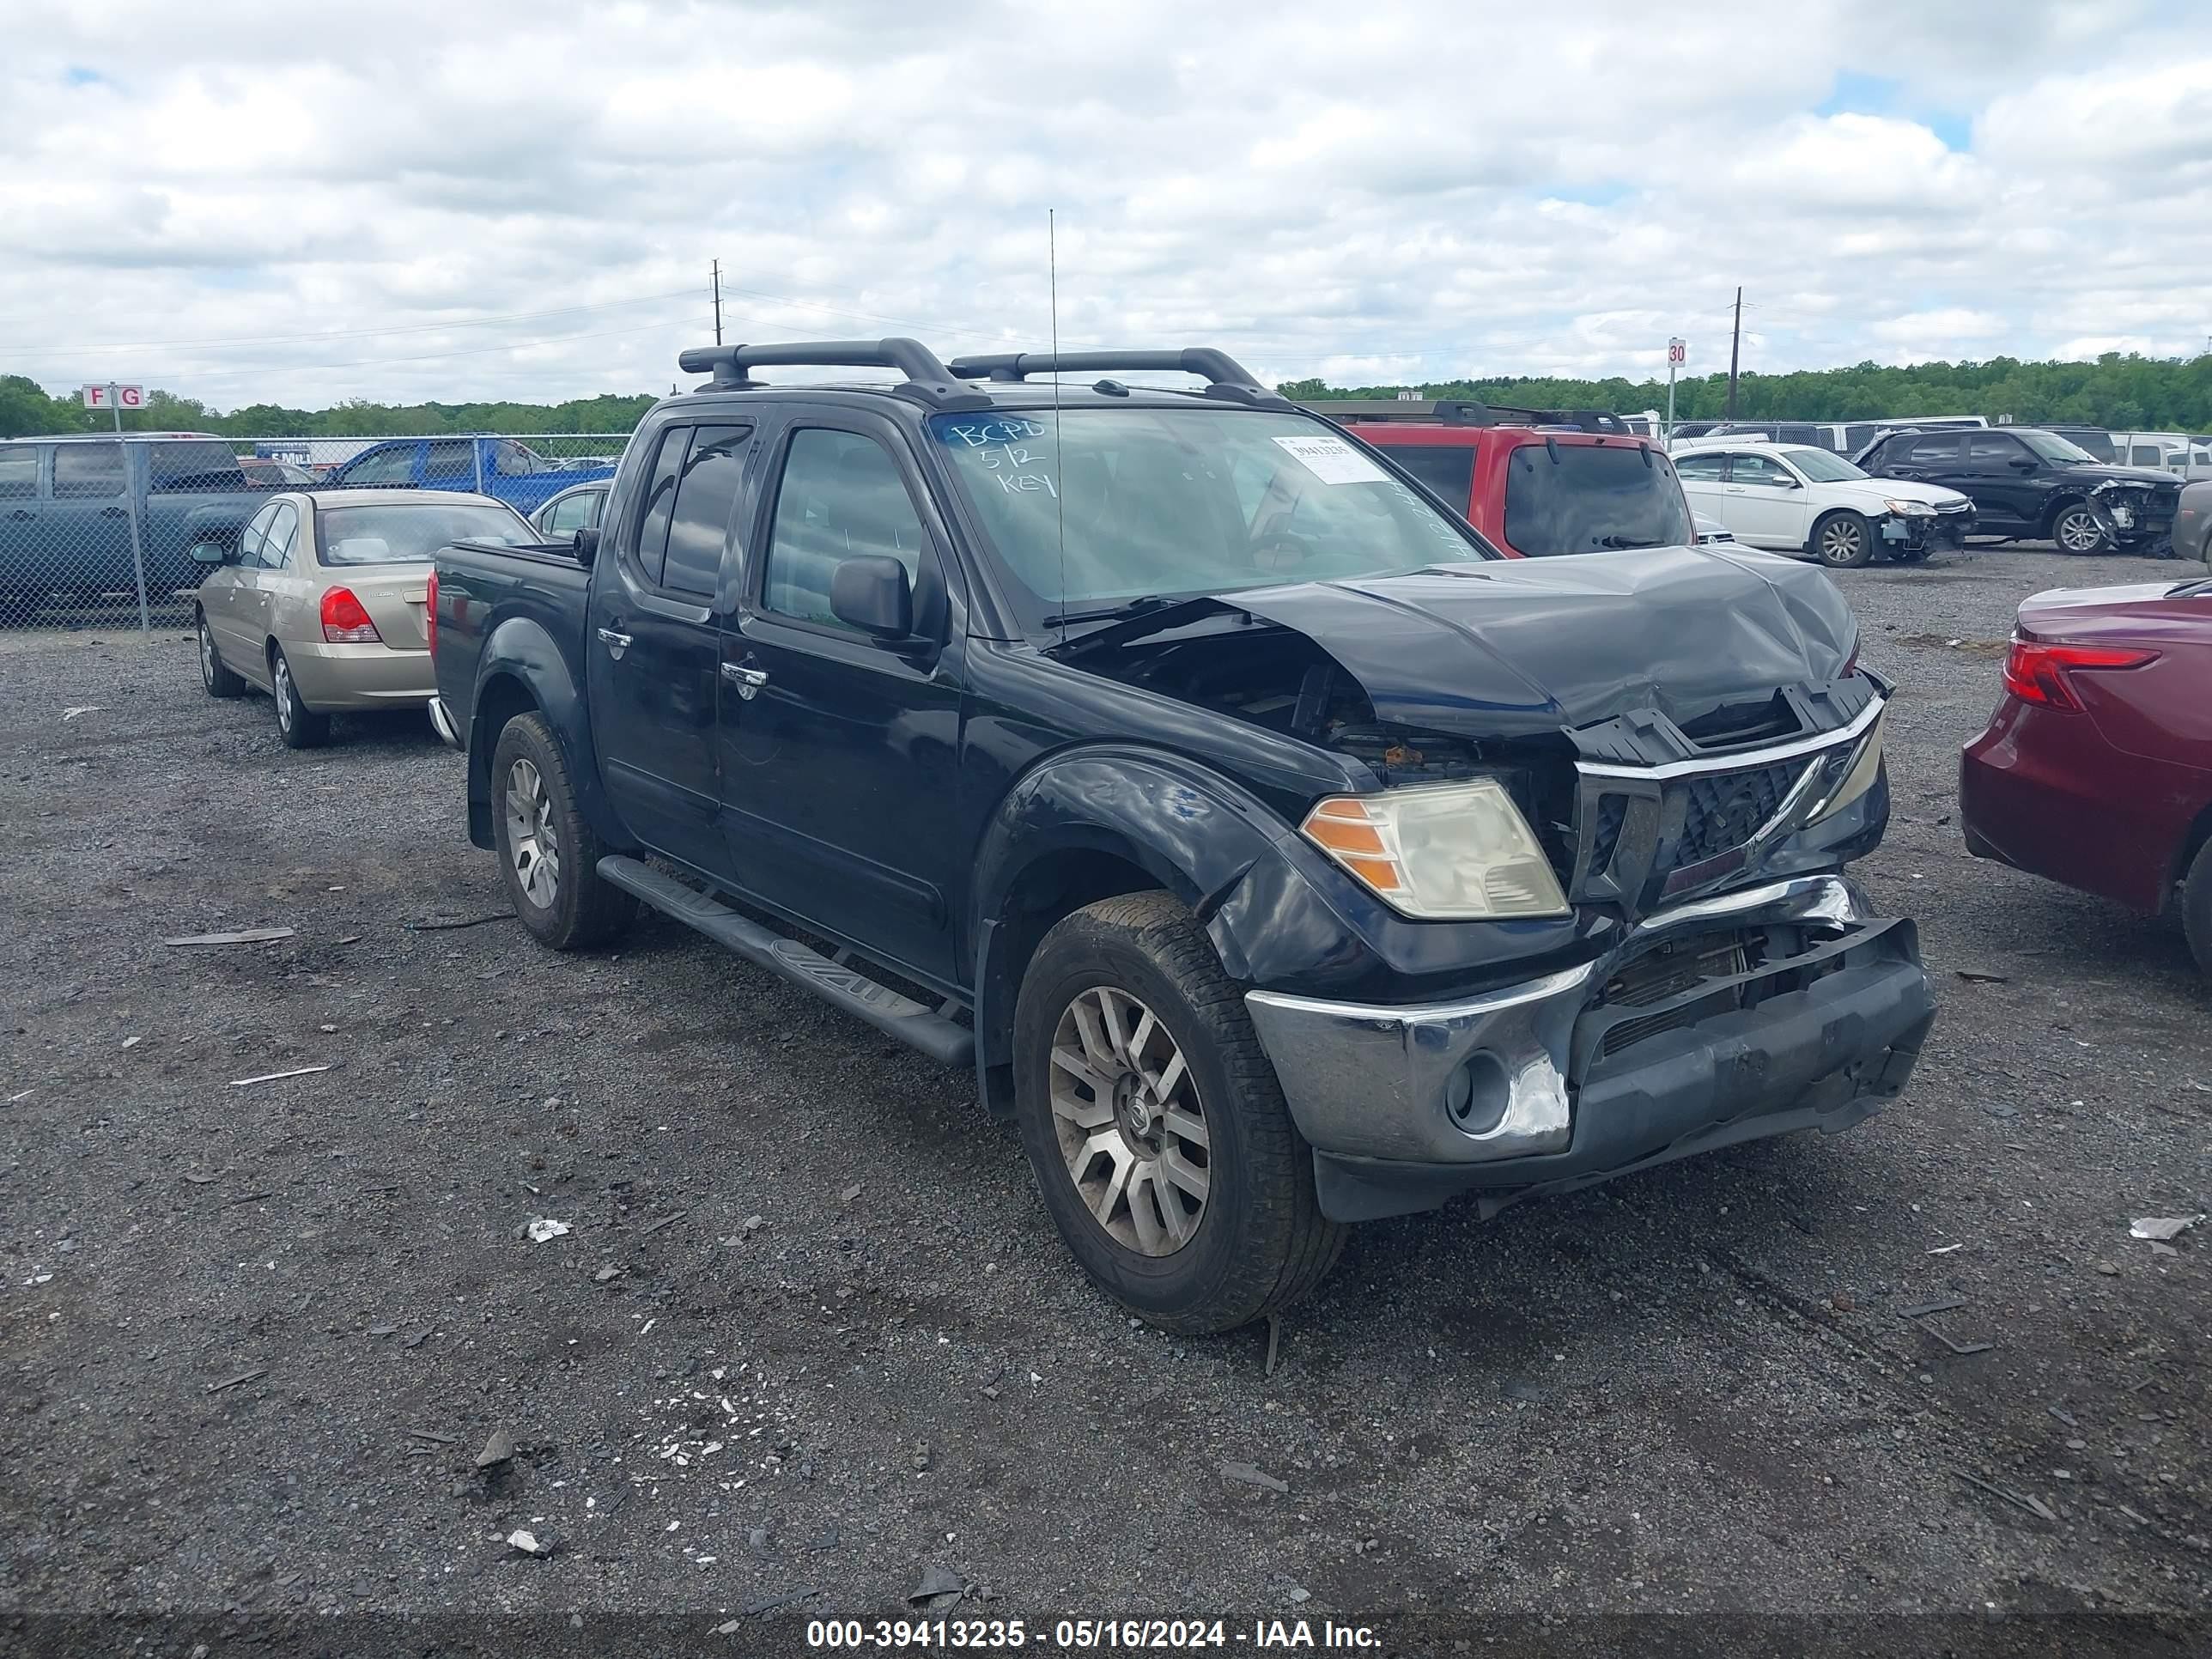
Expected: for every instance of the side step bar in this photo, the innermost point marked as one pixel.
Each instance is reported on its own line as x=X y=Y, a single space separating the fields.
x=895 y=1015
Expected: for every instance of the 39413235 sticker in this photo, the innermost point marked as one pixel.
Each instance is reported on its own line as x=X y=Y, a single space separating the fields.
x=1332 y=460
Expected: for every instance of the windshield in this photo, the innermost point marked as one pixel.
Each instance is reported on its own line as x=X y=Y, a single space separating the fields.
x=2052 y=448
x=1821 y=467
x=1095 y=506
x=407 y=532
x=1593 y=498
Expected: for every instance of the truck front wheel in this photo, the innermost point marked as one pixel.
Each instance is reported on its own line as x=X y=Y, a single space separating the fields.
x=547 y=855
x=1156 y=1126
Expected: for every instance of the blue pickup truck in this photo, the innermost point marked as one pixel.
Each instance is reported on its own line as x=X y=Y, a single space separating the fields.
x=502 y=468
x=1276 y=854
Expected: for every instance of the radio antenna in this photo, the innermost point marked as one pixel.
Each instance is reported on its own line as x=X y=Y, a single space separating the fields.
x=1059 y=443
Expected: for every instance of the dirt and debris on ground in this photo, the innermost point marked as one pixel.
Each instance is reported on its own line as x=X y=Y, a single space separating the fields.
x=288 y=1315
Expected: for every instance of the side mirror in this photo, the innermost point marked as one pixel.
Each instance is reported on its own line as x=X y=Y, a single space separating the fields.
x=873 y=593
x=2021 y=464
x=587 y=546
x=209 y=553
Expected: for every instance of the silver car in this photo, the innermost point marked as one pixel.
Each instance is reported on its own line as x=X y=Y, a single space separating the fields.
x=323 y=602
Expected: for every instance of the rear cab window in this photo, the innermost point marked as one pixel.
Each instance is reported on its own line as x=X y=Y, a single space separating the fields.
x=706 y=496
x=18 y=472
x=1447 y=469
x=1593 y=498
x=196 y=465
x=87 y=471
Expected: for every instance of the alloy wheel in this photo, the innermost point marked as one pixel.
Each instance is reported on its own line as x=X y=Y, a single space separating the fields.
x=2078 y=531
x=283 y=679
x=1839 y=542
x=533 y=845
x=1130 y=1121
x=207 y=655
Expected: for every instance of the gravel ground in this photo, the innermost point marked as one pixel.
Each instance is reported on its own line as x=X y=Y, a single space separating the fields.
x=809 y=1330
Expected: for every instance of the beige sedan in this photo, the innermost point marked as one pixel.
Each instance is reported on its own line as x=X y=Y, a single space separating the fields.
x=322 y=602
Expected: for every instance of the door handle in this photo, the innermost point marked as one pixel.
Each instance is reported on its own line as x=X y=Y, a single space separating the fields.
x=748 y=681
x=114 y=512
x=19 y=513
x=619 y=641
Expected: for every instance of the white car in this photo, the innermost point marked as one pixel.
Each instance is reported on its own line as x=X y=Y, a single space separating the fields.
x=1794 y=498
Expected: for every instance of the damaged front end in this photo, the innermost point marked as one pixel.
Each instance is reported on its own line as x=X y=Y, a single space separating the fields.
x=1913 y=529
x=2136 y=514
x=1655 y=952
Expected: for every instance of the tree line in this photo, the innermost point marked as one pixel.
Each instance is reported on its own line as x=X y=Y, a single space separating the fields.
x=2124 y=393
x=26 y=410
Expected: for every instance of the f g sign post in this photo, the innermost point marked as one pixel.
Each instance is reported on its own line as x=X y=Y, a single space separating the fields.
x=1678 y=353
x=116 y=398
x=111 y=396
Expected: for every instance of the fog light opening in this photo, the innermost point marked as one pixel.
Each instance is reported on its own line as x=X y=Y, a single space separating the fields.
x=1475 y=1095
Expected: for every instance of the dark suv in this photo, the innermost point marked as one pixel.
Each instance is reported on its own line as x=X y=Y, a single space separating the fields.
x=1536 y=482
x=2029 y=484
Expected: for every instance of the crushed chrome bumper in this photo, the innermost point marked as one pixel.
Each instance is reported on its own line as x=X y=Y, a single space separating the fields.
x=1525 y=1087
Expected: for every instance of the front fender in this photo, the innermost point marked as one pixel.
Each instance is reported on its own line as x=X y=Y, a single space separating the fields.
x=522 y=667
x=1189 y=829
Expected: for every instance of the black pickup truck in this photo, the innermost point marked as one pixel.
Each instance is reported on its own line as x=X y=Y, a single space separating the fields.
x=1278 y=855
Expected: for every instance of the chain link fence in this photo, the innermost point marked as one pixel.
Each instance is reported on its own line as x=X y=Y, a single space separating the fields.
x=98 y=531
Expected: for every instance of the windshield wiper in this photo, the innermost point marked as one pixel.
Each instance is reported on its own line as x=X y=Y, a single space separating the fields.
x=1612 y=544
x=1135 y=607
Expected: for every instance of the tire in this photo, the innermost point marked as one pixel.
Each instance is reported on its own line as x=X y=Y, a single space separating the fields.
x=2079 y=523
x=2197 y=909
x=300 y=726
x=1843 y=540
x=549 y=856
x=1252 y=1239
x=219 y=680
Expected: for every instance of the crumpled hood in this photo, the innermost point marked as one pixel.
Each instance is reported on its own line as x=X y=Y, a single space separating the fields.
x=2150 y=477
x=1516 y=646
x=1877 y=490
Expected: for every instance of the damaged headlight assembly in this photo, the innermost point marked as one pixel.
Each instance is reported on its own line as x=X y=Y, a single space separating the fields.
x=1865 y=767
x=1909 y=509
x=1441 y=852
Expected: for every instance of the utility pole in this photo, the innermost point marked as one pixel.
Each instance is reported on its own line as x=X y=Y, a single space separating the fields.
x=1735 y=339
x=718 y=301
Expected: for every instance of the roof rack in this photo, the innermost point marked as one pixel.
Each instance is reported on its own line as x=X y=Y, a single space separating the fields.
x=1225 y=376
x=928 y=381
x=1463 y=411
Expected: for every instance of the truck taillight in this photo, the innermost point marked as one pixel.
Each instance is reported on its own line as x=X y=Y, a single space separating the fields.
x=2037 y=671
x=346 y=621
x=430 y=615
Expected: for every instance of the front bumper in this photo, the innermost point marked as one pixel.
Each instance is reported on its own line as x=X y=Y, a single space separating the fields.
x=1546 y=1086
x=1927 y=532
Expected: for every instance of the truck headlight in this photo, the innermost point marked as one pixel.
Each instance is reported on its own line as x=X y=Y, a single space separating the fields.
x=1866 y=766
x=1444 y=852
x=1909 y=509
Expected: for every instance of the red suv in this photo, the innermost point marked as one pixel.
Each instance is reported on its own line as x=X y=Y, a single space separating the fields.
x=1536 y=482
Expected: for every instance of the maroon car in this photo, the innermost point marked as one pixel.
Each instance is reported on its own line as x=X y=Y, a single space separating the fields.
x=2096 y=770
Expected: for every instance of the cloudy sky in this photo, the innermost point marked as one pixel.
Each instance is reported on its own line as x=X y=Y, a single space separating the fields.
x=476 y=198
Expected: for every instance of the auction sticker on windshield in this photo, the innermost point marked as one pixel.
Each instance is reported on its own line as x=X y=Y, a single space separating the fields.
x=1334 y=461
